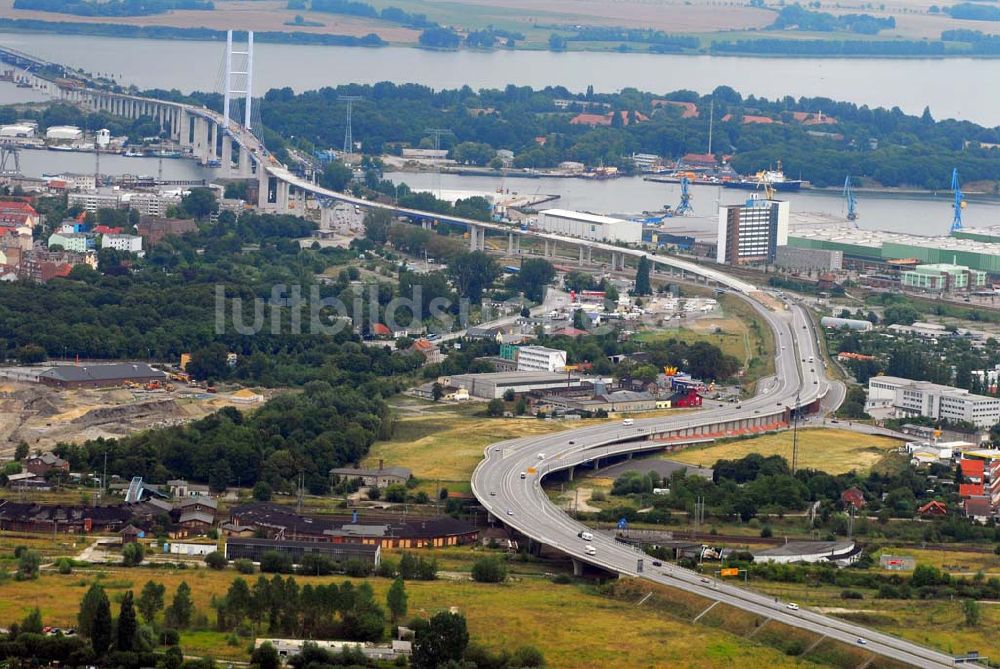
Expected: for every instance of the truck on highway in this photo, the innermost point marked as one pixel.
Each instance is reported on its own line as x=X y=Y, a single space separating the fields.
x=586 y=536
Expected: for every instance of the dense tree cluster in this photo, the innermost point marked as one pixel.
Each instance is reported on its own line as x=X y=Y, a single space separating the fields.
x=312 y=431
x=112 y=7
x=797 y=17
x=885 y=146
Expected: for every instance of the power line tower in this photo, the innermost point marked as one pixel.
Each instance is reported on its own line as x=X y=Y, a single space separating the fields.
x=436 y=134
x=244 y=84
x=348 y=131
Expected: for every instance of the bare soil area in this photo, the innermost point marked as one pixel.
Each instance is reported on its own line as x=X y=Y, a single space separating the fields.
x=43 y=416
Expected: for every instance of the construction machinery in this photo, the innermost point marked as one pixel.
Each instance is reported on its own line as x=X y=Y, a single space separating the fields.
x=852 y=202
x=959 y=204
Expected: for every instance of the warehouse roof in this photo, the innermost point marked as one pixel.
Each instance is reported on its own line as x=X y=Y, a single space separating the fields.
x=581 y=216
x=109 y=372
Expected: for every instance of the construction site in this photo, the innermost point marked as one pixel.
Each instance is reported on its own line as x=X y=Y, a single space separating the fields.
x=43 y=415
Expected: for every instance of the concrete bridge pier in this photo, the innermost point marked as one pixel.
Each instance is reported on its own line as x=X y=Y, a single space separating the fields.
x=581 y=255
x=577 y=567
x=245 y=164
x=510 y=243
x=227 y=155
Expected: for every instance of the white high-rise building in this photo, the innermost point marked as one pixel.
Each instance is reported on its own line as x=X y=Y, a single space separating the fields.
x=540 y=359
x=922 y=398
x=752 y=232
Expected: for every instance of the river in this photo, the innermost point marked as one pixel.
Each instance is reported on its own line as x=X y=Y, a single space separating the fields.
x=629 y=196
x=952 y=87
x=37 y=162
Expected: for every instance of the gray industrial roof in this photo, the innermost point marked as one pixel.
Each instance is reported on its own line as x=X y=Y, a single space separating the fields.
x=109 y=372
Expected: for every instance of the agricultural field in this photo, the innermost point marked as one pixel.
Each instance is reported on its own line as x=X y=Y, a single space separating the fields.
x=831 y=451
x=572 y=623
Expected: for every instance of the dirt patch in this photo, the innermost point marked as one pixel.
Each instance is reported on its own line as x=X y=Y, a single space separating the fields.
x=43 y=416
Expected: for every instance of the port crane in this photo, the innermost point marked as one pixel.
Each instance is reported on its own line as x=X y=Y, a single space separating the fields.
x=959 y=204
x=852 y=202
x=684 y=208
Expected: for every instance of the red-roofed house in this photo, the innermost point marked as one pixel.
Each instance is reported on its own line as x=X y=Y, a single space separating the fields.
x=688 y=109
x=594 y=120
x=107 y=230
x=569 y=332
x=15 y=214
x=808 y=118
x=972 y=470
x=933 y=508
x=427 y=349
x=970 y=490
x=978 y=508
x=381 y=330
x=750 y=118
x=699 y=160
x=853 y=497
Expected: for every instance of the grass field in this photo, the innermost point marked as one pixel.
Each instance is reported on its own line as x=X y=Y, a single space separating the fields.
x=445 y=443
x=574 y=626
x=831 y=451
x=910 y=619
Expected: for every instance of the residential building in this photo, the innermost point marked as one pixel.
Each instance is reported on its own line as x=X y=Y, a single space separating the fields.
x=79 y=242
x=589 y=226
x=42 y=464
x=40 y=265
x=540 y=359
x=427 y=349
x=380 y=478
x=75 y=182
x=388 y=531
x=92 y=200
x=18 y=214
x=922 y=398
x=151 y=204
x=153 y=229
x=129 y=243
x=751 y=232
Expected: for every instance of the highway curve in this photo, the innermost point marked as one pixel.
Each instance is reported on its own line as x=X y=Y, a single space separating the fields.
x=522 y=504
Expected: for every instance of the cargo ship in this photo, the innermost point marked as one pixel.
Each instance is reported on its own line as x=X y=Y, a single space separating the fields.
x=775 y=178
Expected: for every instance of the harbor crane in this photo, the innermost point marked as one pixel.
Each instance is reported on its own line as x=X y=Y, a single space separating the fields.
x=852 y=202
x=959 y=204
x=684 y=208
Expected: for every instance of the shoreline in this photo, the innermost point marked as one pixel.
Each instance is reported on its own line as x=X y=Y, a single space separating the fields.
x=887 y=193
x=103 y=30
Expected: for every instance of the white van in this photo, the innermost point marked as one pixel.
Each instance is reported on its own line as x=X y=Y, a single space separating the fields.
x=586 y=536
x=541 y=456
x=589 y=550
x=627 y=422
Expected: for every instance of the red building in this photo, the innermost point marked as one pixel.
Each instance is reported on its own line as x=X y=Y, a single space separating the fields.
x=853 y=497
x=685 y=399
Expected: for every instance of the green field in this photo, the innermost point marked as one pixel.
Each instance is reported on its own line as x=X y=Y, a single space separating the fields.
x=445 y=443
x=572 y=624
x=831 y=451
